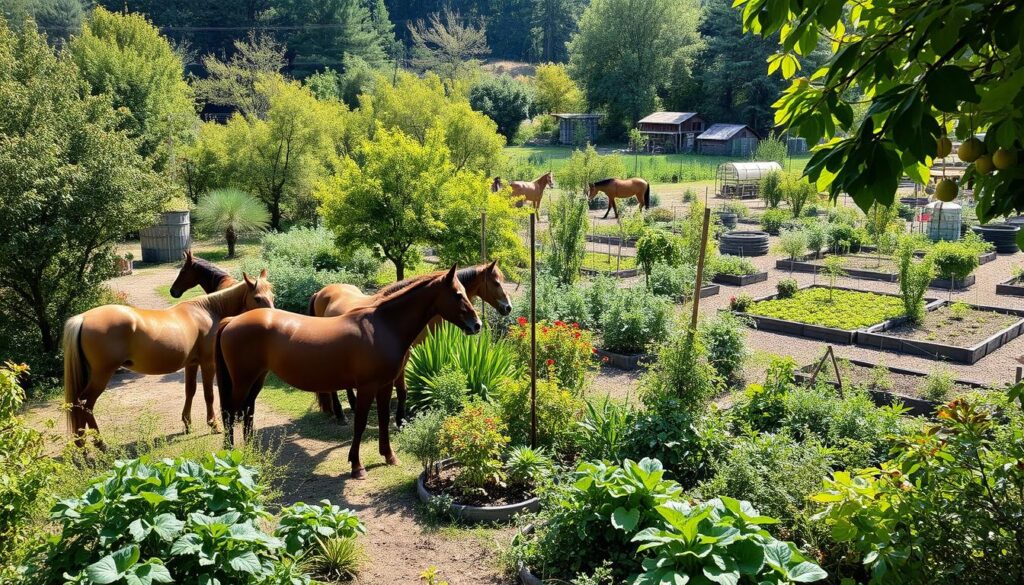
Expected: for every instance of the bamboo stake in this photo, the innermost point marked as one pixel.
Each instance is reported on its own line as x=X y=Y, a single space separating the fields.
x=533 y=330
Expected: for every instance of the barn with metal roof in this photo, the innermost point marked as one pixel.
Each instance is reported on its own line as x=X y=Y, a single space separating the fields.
x=671 y=131
x=728 y=140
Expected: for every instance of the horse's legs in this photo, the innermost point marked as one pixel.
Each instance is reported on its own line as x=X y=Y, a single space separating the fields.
x=364 y=398
x=98 y=380
x=403 y=392
x=250 y=407
x=614 y=206
x=339 y=411
x=611 y=203
x=190 y=390
x=209 y=373
x=383 y=421
x=352 y=403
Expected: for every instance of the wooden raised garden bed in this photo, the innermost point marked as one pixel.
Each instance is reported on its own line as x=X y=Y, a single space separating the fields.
x=612 y=240
x=1013 y=287
x=740 y=279
x=627 y=362
x=906 y=384
x=942 y=336
x=628 y=273
x=427 y=490
x=811 y=265
x=812 y=330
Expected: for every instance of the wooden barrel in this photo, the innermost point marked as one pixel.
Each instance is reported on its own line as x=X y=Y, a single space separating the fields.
x=168 y=239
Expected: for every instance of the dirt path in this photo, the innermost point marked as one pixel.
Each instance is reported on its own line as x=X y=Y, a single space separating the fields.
x=141 y=286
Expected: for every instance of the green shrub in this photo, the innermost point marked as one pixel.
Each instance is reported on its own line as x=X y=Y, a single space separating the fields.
x=673 y=282
x=682 y=372
x=294 y=284
x=770 y=188
x=787 y=287
x=528 y=467
x=657 y=246
x=484 y=362
x=773 y=220
x=567 y=226
x=422 y=438
x=736 y=207
x=762 y=406
x=315 y=248
x=914 y=279
x=635 y=321
x=843 y=238
x=557 y=413
x=564 y=350
x=817 y=236
x=447 y=390
x=741 y=303
x=724 y=336
x=938 y=385
x=953 y=260
x=301 y=526
x=555 y=302
x=734 y=265
x=475 y=439
x=603 y=430
x=793 y=243
x=25 y=473
x=690 y=442
x=169 y=520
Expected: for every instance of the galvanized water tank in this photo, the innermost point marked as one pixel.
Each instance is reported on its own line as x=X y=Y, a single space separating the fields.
x=942 y=221
x=168 y=239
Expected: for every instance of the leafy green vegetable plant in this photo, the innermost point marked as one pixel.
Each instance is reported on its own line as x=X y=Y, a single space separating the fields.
x=301 y=526
x=846 y=309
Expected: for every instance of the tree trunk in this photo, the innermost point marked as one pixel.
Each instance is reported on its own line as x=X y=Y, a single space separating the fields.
x=232 y=238
x=399 y=269
x=275 y=212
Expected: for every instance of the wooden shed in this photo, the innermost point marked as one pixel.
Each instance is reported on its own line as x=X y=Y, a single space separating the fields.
x=741 y=180
x=671 y=131
x=572 y=125
x=728 y=140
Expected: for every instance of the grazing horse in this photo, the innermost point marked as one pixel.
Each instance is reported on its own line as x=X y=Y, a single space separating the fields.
x=534 y=190
x=362 y=349
x=151 y=341
x=622 y=189
x=482 y=281
x=199 y=272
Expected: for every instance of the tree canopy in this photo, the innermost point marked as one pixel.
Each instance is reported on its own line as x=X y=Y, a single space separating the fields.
x=504 y=100
x=925 y=68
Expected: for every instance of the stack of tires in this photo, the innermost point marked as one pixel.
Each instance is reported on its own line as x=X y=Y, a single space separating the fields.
x=744 y=244
x=1002 y=235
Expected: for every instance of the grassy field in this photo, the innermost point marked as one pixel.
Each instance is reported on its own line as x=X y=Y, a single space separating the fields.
x=656 y=168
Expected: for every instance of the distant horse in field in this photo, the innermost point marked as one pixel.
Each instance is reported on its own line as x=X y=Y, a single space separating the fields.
x=199 y=272
x=532 y=190
x=362 y=349
x=496 y=185
x=482 y=281
x=622 y=189
x=151 y=341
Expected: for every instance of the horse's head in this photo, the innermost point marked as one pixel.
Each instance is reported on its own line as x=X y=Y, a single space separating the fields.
x=453 y=305
x=187 y=278
x=593 y=191
x=548 y=179
x=258 y=292
x=492 y=292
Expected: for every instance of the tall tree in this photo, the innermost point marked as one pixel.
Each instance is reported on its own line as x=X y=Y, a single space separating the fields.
x=553 y=23
x=448 y=44
x=73 y=185
x=126 y=58
x=58 y=19
x=556 y=91
x=327 y=30
x=625 y=50
x=234 y=82
x=504 y=100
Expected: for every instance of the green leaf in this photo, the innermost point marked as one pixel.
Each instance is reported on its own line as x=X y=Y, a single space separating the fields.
x=843 y=530
x=749 y=556
x=246 y=562
x=112 y=567
x=948 y=86
x=777 y=554
x=624 y=519
x=806 y=572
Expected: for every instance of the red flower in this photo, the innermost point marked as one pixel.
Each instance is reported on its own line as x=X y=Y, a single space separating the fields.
x=575 y=325
x=576 y=335
x=605 y=359
x=559 y=324
x=522 y=320
x=593 y=350
x=551 y=362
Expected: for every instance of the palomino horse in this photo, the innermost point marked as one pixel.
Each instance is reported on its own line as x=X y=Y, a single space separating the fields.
x=532 y=191
x=199 y=272
x=622 y=189
x=482 y=281
x=362 y=349
x=151 y=341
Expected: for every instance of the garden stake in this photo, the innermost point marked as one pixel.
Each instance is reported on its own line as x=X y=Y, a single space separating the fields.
x=533 y=330
x=483 y=257
x=835 y=365
x=700 y=270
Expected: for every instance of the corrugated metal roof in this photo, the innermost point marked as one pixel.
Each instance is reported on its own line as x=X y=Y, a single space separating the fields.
x=576 y=116
x=668 y=117
x=721 y=131
x=747 y=171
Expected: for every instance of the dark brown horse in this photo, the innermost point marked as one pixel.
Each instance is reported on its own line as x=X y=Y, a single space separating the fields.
x=150 y=341
x=482 y=281
x=362 y=349
x=622 y=189
x=199 y=272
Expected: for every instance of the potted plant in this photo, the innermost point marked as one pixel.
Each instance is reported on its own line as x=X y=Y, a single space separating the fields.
x=124 y=265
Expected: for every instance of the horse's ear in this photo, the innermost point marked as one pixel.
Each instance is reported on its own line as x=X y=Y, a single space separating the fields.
x=263 y=274
x=450 y=277
x=248 y=280
x=492 y=266
x=187 y=254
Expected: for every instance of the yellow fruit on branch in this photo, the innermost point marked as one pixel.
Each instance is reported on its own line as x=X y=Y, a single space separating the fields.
x=970 y=150
x=1004 y=159
x=946 y=190
x=984 y=164
x=943 y=147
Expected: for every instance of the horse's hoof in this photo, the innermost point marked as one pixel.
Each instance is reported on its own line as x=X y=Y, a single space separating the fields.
x=215 y=430
x=392 y=459
x=359 y=473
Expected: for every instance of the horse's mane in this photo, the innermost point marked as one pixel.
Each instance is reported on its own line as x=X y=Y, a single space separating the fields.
x=219 y=298
x=602 y=182
x=209 y=267
x=463 y=275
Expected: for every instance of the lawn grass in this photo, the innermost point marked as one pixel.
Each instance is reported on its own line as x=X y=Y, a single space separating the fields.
x=164 y=290
x=605 y=263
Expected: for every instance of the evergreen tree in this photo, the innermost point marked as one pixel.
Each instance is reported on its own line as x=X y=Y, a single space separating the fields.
x=327 y=30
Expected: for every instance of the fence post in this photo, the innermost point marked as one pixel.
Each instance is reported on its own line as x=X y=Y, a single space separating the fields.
x=533 y=330
x=483 y=256
x=700 y=270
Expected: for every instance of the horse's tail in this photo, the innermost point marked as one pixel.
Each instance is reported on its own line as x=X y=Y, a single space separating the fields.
x=647 y=197
x=224 y=386
x=311 y=311
x=76 y=373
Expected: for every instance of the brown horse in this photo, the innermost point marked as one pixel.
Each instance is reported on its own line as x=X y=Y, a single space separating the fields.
x=199 y=272
x=482 y=281
x=150 y=341
x=362 y=349
x=532 y=190
x=622 y=189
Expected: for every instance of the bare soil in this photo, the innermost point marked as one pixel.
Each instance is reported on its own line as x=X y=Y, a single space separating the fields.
x=902 y=384
x=948 y=325
x=492 y=495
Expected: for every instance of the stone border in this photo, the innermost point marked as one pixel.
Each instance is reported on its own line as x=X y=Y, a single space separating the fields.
x=876 y=338
x=626 y=362
x=917 y=406
x=740 y=279
x=478 y=513
x=820 y=332
x=1013 y=287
